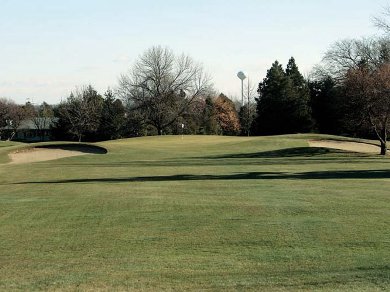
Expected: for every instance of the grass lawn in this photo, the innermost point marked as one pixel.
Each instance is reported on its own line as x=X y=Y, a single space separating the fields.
x=202 y=212
x=5 y=147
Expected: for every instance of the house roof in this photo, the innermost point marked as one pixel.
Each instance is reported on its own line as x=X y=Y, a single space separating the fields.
x=31 y=124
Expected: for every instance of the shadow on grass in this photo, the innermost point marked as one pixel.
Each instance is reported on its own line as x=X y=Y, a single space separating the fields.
x=84 y=148
x=290 y=156
x=355 y=174
x=288 y=152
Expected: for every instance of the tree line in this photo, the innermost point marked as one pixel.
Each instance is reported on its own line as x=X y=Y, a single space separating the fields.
x=163 y=93
x=166 y=93
x=12 y=115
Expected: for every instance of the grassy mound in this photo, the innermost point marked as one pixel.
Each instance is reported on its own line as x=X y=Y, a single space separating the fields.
x=8 y=146
x=234 y=213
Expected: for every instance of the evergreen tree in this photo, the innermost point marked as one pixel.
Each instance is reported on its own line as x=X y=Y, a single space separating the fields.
x=112 y=119
x=328 y=106
x=296 y=77
x=193 y=118
x=210 y=125
x=81 y=113
x=301 y=112
x=283 y=103
x=247 y=115
x=272 y=101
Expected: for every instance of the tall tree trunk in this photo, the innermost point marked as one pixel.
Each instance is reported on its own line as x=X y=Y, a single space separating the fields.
x=381 y=134
x=384 y=141
x=383 y=148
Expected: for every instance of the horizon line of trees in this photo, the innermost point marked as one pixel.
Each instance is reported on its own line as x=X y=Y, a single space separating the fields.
x=165 y=93
x=330 y=103
x=87 y=115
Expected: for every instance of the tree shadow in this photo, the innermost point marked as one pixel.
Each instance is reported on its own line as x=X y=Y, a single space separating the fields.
x=288 y=152
x=84 y=148
x=294 y=156
x=352 y=174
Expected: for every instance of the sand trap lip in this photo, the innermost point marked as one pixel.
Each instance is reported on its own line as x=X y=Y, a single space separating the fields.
x=345 y=145
x=36 y=155
x=52 y=152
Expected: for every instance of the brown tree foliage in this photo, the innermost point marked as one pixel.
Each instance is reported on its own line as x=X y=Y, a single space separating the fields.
x=227 y=115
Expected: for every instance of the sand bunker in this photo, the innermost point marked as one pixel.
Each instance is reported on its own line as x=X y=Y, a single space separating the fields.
x=345 y=145
x=52 y=153
x=36 y=154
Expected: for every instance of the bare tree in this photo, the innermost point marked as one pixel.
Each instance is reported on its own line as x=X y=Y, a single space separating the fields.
x=369 y=90
x=363 y=68
x=382 y=21
x=43 y=118
x=15 y=117
x=82 y=111
x=247 y=112
x=351 y=54
x=161 y=85
x=4 y=110
x=12 y=115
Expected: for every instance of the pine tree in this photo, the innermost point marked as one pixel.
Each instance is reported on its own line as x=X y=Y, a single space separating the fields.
x=210 y=124
x=271 y=102
x=301 y=115
x=328 y=104
x=112 y=118
x=296 y=77
x=283 y=103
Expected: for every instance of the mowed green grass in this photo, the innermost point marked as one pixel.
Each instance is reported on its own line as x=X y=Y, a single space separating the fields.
x=5 y=147
x=198 y=213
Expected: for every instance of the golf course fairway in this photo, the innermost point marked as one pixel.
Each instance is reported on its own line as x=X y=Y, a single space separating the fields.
x=197 y=213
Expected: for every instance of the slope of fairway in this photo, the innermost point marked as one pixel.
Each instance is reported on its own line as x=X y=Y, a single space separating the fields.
x=198 y=212
x=6 y=147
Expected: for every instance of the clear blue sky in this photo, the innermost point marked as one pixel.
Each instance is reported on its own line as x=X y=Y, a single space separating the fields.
x=49 y=47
